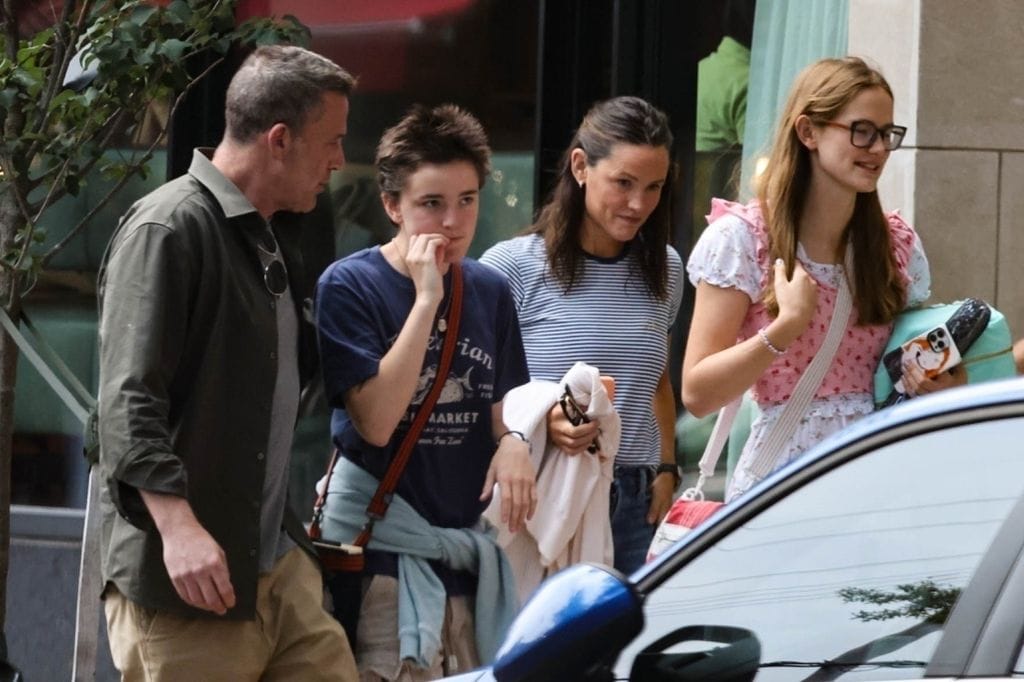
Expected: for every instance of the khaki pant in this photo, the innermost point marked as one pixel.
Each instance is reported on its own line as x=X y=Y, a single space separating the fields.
x=291 y=638
x=377 y=639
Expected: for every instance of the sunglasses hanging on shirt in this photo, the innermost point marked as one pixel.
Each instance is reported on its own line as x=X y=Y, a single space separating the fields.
x=275 y=277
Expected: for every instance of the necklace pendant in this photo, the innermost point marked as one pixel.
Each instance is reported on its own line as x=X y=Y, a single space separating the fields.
x=442 y=325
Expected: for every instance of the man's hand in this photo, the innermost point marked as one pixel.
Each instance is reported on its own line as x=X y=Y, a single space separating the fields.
x=195 y=561
x=512 y=469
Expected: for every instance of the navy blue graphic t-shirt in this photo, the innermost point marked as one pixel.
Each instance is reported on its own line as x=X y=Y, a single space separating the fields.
x=362 y=304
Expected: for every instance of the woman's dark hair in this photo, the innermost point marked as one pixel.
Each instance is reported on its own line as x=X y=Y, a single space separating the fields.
x=620 y=120
x=435 y=135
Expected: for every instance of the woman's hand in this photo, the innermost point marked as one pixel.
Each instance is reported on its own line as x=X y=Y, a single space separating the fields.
x=662 y=489
x=797 y=298
x=916 y=383
x=424 y=258
x=571 y=439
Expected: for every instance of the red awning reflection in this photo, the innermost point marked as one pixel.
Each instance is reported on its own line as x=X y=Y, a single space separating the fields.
x=324 y=12
x=370 y=38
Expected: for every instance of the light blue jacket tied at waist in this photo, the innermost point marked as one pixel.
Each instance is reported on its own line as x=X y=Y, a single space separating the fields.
x=421 y=595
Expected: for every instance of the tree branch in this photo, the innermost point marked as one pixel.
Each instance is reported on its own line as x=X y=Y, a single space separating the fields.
x=145 y=158
x=10 y=28
x=63 y=52
x=56 y=80
x=23 y=208
x=13 y=125
x=112 y=126
x=132 y=170
x=57 y=190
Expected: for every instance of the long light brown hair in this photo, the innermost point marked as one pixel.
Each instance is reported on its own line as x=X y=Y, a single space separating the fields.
x=821 y=91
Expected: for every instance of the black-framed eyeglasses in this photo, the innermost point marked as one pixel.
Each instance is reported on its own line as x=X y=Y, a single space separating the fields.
x=275 y=277
x=576 y=415
x=864 y=133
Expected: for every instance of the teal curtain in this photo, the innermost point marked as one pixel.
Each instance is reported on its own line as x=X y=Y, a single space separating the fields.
x=788 y=35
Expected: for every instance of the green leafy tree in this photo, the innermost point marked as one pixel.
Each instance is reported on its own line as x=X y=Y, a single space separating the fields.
x=54 y=137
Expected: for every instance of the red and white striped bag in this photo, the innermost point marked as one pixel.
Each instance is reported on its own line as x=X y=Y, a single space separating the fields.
x=691 y=509
x=682 y=517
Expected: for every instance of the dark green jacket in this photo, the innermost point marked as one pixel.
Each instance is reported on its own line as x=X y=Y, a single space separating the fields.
x=188 y=340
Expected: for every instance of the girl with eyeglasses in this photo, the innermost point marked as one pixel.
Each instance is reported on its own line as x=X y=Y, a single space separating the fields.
x=767 y=273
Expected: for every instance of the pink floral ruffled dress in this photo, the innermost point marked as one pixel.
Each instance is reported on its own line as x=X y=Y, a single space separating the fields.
x=733 y=253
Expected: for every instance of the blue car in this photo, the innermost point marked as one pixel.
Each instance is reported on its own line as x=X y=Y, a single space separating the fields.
x=894 y=550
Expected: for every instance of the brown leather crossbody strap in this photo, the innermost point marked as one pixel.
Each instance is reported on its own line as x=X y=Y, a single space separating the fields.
x=318 y=507
x=378 y=505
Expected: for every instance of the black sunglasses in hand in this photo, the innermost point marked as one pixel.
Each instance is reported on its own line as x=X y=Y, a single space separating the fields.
x=576 y=415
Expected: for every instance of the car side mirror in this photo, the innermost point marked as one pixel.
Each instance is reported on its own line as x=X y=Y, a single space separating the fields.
x=575 y=623
x=700 y=652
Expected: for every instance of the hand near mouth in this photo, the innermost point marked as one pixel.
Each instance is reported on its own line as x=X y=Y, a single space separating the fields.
x=424 y=258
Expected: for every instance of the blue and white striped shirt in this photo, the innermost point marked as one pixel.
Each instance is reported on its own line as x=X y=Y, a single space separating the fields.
x=609 y=320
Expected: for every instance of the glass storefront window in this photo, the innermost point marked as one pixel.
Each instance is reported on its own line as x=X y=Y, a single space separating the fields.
x=479 y=54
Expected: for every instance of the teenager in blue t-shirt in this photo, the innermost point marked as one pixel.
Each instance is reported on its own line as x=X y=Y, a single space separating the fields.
x=381 y=314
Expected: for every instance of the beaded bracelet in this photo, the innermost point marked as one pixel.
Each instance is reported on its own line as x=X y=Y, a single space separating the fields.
x=763 y=335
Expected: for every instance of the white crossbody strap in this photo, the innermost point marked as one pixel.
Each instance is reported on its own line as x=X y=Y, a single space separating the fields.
x=796 y=406
x=712 y=451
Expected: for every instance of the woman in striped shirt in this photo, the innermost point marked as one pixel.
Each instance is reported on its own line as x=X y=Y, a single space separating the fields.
x=594 y=280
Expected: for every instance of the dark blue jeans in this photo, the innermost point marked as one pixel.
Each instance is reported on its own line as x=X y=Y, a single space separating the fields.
x=628 y=505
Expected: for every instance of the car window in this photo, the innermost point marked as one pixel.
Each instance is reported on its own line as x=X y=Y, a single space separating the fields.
x=859 y=567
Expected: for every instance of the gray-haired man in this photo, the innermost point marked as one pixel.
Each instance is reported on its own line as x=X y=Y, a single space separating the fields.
x=203 y=351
